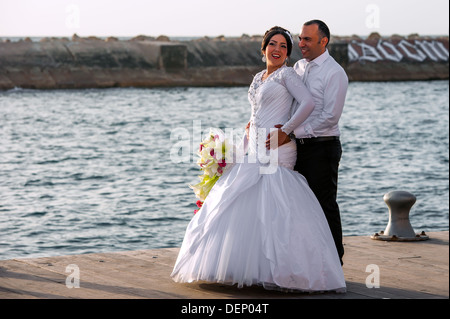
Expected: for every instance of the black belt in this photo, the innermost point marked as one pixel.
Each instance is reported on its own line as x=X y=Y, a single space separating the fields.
x=317 y=139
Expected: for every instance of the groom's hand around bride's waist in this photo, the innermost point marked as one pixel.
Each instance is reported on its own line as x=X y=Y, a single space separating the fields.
x=277 y=138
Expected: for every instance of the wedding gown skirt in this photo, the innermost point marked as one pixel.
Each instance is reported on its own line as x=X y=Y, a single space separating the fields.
x=261 y=229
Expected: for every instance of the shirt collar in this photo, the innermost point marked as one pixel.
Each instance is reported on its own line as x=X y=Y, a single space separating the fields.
x=321 y=58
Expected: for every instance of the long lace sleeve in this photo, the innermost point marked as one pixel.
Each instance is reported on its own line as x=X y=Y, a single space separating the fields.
x=294 y=84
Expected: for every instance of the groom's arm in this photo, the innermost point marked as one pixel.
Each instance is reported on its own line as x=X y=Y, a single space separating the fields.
x=334 y=93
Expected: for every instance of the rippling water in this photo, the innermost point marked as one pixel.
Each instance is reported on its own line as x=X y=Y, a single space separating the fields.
x=90 y=170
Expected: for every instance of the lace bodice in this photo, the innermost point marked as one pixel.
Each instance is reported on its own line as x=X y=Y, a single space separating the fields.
x=271 y=101
x=274 y=97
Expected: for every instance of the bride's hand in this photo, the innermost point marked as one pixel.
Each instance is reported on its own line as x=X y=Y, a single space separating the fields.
x=283 y=138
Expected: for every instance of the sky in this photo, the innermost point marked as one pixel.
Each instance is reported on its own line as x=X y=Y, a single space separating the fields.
x=192 y=18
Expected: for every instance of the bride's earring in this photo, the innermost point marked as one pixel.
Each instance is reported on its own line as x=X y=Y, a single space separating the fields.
x=264 y=58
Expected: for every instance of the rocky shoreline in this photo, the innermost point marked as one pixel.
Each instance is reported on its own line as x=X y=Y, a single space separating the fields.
x=61 y=63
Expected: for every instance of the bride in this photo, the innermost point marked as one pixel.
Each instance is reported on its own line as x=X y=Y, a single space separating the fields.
x=264 y=227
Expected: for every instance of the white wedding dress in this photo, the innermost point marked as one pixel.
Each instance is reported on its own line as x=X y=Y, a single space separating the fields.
x=261 y=226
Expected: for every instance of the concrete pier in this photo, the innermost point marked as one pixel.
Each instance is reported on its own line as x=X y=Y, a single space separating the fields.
x=373 y=270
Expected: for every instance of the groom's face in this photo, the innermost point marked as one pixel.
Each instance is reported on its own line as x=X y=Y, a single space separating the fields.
x=311 y=44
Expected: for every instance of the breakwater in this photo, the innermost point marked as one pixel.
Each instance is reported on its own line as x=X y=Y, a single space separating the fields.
x=58 y=63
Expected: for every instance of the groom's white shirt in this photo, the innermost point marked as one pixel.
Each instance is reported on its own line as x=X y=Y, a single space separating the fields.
x=328 y=83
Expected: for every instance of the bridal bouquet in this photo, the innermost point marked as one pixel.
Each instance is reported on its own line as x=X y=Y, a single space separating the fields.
x=215 y=153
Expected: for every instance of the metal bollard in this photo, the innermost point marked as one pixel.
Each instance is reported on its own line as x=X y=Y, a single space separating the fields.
x=399 y=227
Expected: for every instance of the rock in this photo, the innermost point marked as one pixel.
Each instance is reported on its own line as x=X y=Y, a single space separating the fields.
x=163 y=38
x=374 y=36
x=142 y=38
x=93 y=38
x=413 y=36
x=396 y=37
x=220 y=38
x=355 y=37
x=205 y=38
x=75 y=37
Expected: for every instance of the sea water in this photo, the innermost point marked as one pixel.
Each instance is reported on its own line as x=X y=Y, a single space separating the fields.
x=85 y=171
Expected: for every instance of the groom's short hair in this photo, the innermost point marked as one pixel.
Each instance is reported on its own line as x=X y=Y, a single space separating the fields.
x=324 y=31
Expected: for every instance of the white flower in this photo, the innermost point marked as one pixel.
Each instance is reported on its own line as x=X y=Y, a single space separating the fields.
x=215 y=152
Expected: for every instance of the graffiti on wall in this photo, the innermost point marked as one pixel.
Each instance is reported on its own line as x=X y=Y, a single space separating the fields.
x=418 y=51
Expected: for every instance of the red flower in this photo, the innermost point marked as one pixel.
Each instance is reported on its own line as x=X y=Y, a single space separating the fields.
x=199 y=205
x=222 y=163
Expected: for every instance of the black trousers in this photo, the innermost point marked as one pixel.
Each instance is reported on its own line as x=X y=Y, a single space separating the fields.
x=319 y=163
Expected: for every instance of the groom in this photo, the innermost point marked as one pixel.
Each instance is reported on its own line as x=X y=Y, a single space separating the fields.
x=318 y=146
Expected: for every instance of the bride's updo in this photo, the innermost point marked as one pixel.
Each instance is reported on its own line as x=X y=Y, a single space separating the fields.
x=278 y=30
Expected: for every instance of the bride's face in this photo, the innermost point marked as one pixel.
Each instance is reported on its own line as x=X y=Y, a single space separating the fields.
x=276 y=51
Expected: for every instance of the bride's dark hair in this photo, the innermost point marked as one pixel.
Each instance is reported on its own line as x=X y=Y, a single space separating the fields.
x=277 y=30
